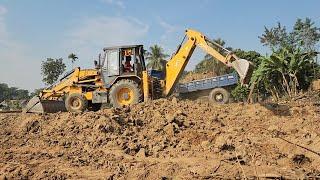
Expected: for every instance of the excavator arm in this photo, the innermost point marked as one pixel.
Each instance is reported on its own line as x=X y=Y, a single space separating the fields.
x=176 y=65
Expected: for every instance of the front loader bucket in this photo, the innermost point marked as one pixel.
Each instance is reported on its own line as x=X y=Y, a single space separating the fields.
x=244 y=69
x=36 y=105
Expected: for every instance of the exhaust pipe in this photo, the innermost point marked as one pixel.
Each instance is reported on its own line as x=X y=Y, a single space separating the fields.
x=36 y=105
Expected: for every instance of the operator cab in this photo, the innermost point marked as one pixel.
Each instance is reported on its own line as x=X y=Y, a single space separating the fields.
x=122 y=61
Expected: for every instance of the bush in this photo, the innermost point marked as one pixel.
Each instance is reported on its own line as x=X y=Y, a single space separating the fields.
x=240 y=93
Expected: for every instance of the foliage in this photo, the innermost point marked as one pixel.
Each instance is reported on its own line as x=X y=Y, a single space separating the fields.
x=275 y=37
x=36 y=92
x=12 y=93
x=12 y=104
x=73 y=57
x=251 y=56
x=304 y=35
x=210 y=64
x=287 y=71
x=207 y=65
x=240 y=93
x=51 y=69
x=291 y=67
x=156 y=58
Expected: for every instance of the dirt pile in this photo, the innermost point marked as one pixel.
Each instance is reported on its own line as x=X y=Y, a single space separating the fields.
x=191 y=76
x=316 y=85
x=164 y=139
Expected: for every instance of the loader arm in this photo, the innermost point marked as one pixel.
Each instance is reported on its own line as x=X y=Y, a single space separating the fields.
x=176 y=65
x=57 y=90
x=49 y=99
x=64 y=86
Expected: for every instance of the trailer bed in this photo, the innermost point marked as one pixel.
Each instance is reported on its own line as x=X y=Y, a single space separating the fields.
x=208 y=83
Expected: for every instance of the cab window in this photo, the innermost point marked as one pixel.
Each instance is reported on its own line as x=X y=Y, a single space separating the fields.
x=112 y=62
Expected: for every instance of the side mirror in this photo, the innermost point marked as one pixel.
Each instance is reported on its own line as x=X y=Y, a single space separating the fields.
x=95 y=63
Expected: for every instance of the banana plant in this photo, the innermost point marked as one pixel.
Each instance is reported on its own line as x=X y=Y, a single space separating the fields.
x=286 y=71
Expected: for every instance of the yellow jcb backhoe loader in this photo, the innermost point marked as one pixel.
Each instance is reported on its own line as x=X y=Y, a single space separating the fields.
x=120 y=77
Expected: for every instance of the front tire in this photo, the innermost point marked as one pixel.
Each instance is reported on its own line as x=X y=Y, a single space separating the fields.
x=76 y=103
x=219 y=95
x=125 y=92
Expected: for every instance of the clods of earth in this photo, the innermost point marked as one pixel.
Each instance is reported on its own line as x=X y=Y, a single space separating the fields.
x=164 y=139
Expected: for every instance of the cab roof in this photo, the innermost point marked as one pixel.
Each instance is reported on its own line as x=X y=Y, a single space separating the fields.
x=121 y=47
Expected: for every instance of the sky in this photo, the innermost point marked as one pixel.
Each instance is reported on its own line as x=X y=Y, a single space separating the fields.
x=33 y=30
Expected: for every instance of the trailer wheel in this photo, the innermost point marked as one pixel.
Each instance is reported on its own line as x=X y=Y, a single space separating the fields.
x=76 y=103
x=125 y=92
x=219 y=95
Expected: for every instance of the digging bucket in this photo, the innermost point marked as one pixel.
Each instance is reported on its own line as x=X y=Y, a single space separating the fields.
x=36 y=105
x=244 y=69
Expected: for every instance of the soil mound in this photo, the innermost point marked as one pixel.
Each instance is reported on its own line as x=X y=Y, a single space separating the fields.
x=164 y=139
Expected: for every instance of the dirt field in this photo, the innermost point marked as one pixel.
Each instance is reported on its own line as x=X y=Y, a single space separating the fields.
x=164 y=139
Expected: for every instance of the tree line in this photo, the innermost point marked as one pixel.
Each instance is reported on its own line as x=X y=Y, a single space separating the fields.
x=12 y=93
x=288 y=70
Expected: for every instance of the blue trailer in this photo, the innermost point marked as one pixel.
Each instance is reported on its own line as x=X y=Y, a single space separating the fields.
x=215 y=87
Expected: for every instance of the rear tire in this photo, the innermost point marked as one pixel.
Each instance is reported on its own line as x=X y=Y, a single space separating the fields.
x=219 y=95
x=125 y=92
x=76 y=103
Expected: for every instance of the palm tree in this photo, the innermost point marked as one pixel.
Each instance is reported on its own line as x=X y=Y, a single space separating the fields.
x=156 y=58
x=73 y=57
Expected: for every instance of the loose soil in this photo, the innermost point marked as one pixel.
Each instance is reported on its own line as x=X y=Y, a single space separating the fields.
x=191 y=76
x=164 y=139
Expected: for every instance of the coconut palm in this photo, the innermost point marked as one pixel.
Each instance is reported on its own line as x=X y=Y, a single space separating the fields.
x=73 y=57
x=156 y=58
